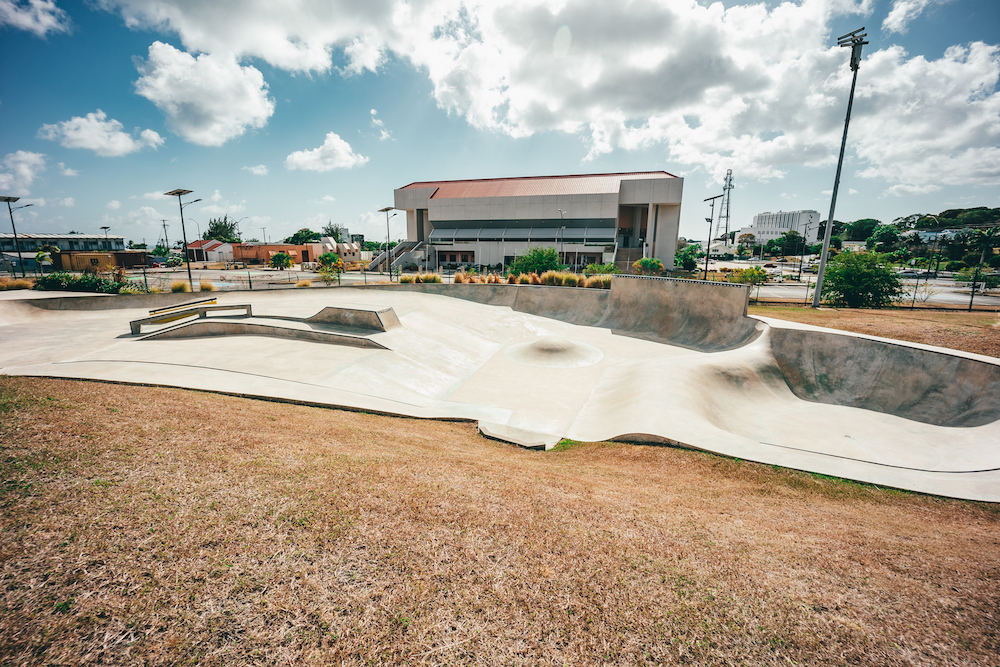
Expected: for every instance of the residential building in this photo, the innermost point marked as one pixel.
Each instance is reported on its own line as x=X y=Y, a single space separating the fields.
x=588 y=218
x=210 y=250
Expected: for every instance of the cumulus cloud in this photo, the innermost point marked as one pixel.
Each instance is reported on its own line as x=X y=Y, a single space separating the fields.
x=380 y=126
x=97 y=133
x=759 y=87
x=335 y=153
x=37 y=16
x=67 y=202
x=114 y=205
x=66 y=171
x=222 y=207
x=329 y=198
x=258 y=170
x=208 y=99
x=18 y=172
x=904 y=11
x=155 y=195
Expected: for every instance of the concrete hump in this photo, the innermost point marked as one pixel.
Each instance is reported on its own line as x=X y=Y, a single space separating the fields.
x=378 y=319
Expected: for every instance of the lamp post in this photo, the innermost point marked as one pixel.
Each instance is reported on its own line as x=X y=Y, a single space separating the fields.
x=17 y=243
x=854 y=39
x=388 y=255
x=106 y=246
x=187 y=257
x=708 y=243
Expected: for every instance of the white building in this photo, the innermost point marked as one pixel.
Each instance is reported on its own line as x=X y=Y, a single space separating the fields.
x=769 y=226
x=587 y=218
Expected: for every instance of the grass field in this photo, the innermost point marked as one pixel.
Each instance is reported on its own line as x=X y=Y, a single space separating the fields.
x=161 y=526
x=977 y=332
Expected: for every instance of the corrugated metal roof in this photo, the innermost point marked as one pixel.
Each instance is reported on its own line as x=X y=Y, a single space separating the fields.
x=205 y=244
x=61 y=236
x=580 y=184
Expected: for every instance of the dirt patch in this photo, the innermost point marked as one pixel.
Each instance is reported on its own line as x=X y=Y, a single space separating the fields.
x=162 y=526
x=976 y=332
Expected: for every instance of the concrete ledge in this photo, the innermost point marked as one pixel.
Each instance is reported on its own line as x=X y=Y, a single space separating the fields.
x=211 y=327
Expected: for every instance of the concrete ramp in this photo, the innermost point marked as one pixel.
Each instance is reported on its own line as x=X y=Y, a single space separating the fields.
x=699 y=315
x=378 y=319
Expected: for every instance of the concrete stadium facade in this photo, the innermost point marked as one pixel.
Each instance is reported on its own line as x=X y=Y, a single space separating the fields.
x=587 y=218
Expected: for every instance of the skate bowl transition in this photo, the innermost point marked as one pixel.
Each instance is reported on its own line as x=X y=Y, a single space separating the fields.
x=652 y=360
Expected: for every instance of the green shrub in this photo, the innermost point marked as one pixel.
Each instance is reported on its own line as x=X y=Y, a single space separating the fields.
x=88 y=282
x=861 y=280
x=601 y=269
x=753 y=275
x=955 y=265
x=280 y=260
x=536 y=260
x=523 y=279
x=648 y=266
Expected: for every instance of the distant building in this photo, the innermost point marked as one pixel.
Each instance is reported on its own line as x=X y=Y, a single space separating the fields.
x=66 y=242
x=210 y=250
x=588 y=218
x=769 y=226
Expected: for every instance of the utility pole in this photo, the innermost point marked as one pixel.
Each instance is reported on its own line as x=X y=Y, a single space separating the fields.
x=727 y=188
x=854 y=39
x=180 y=193
x=166 y=241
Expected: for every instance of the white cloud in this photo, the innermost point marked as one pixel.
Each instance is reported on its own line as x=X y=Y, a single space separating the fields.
x=901 y=190
x=258 y=170
x=114 y=205
x=68 y=202
x=759 y=87
x=852 y=191
x=380 y=126
x=94 y=132
x=335 y=153
x=222 y=207
x=38 y=16
x=207 y=100
x=329 y=198
x=19 y=171
x=904 y=11
x=66 y=171
x=155 y=195
x=216 y=196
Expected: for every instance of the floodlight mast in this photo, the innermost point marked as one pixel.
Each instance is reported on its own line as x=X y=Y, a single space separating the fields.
x=187 y=256
x=710 y=219
x=17 y=243
x=856 y=40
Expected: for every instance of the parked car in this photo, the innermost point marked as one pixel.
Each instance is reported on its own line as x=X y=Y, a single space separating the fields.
x=770 y=265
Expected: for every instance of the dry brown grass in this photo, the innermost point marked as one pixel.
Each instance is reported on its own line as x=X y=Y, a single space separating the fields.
x=159 y=526
x=977 y=332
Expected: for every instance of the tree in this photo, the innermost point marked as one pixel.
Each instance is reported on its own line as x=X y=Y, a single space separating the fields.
x=222 y=229
x=687 y=258
x=304 y=235
x=885 y=238
x=860 y=230
x=280 y=260
x=136 y=246
x=536 y=260
x=746 y=240
x=337 y=232
x=861 y=280
x=751 y=276
x=648 y=266
x=599 y=269
x=838 y=229
x=331 y=260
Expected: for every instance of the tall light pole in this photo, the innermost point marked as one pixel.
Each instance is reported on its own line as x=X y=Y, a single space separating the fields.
x=562 y=233
x=388 y=255
x=238 y=232
x=17 y=244
x=187 y=257
x=106 y=246
x=710 y=219
x=854 y=39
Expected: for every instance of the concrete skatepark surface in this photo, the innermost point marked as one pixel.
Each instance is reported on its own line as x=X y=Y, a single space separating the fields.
x=650 y=360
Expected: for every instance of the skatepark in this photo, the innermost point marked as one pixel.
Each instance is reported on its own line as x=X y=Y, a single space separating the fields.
x=651 y=360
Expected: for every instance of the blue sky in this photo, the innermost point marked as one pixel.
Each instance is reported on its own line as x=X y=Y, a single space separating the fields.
x=291 y=114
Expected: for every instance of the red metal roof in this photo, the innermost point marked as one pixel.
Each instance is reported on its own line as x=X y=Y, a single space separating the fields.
x=205 y=244
x=535 y=185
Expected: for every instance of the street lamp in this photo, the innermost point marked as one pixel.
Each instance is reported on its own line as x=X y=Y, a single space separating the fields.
x=388 y=255
x=562 y=234
x=710 y=219
x=17 y=244
x=187 y=257
x=854 y=39
x=238 y=232
x=106 y=246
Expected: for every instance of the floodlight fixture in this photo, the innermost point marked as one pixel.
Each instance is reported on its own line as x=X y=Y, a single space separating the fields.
x=856 y=40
